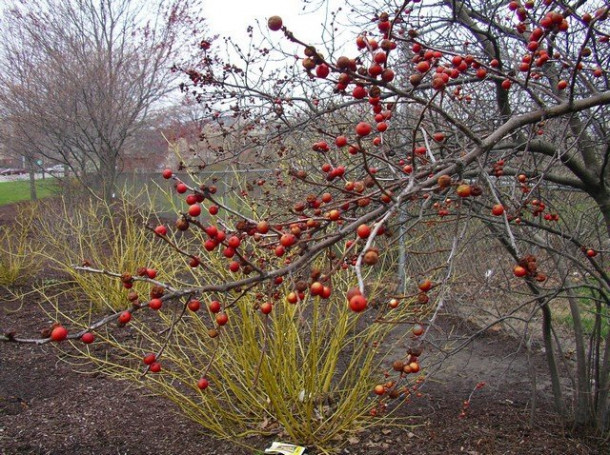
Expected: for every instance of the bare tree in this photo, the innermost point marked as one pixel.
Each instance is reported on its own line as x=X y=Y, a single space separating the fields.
x=80 y=77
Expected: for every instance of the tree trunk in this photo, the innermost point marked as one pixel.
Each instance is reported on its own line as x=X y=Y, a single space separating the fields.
x=550 y=359
x=603 y=389
x=602 y=408
x=603 y=202
x=583 y=412
x=108 y=175
x=32 y=174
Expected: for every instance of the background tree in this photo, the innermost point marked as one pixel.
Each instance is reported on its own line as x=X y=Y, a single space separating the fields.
x=80 y=77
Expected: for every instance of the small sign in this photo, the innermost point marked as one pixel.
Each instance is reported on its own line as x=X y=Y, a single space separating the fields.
x=285 y=449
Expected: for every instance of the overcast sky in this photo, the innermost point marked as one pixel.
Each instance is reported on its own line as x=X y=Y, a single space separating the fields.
x=232 y=17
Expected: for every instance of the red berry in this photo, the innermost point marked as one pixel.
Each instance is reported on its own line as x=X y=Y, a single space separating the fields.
x=266 y=308
x=212 y=231
x=124 y=317
x=274 y=23
x=214 y=306
x=287 y=240
x=149 y=359
x=210 y=245
x=87 y=338
x=155 y=304
x=359 y=92
x=194 y=305
x=151 y=273
x=155 y=367
x=425 y=285
x=167 y=174
x=438 y=137
x=463 y=190
x=181 y=188
x=379 y=390
x=363 y=231
x=322 y=71
x=59 y=333
x=262 y=227
x=195 y=210
x=380 y=57
x=387 y=75
x=519 y=271
x=357 y=303
x=316 y=288
x=326 y=292
x=497 y=210
x=417 y=330
x=161 y=230
x=422 y=67
x=203 y=383
x=341 y=141
x=363 y=129
x=375 y=70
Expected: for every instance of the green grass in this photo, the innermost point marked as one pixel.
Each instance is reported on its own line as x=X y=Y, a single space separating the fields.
x=588 y=313
x=11 y=192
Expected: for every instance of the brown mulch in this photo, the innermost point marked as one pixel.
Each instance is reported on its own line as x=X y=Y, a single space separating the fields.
x=48 y=408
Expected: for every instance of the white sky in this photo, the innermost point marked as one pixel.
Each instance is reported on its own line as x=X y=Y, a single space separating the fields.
x=232 y=17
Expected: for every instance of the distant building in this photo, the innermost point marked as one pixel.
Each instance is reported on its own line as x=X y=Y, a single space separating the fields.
x=145 y=154
x=194 y=145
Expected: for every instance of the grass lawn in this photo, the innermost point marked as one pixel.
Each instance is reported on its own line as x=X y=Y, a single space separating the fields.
x=20 y=190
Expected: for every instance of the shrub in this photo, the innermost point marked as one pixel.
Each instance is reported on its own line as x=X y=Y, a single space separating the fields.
x=19 y=248
x=306 y=371
x=103 y=236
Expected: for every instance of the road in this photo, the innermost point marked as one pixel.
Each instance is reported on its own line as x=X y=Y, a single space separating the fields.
x=14 y=178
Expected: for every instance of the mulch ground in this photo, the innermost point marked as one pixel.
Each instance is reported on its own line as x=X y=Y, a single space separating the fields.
x=46 y=407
